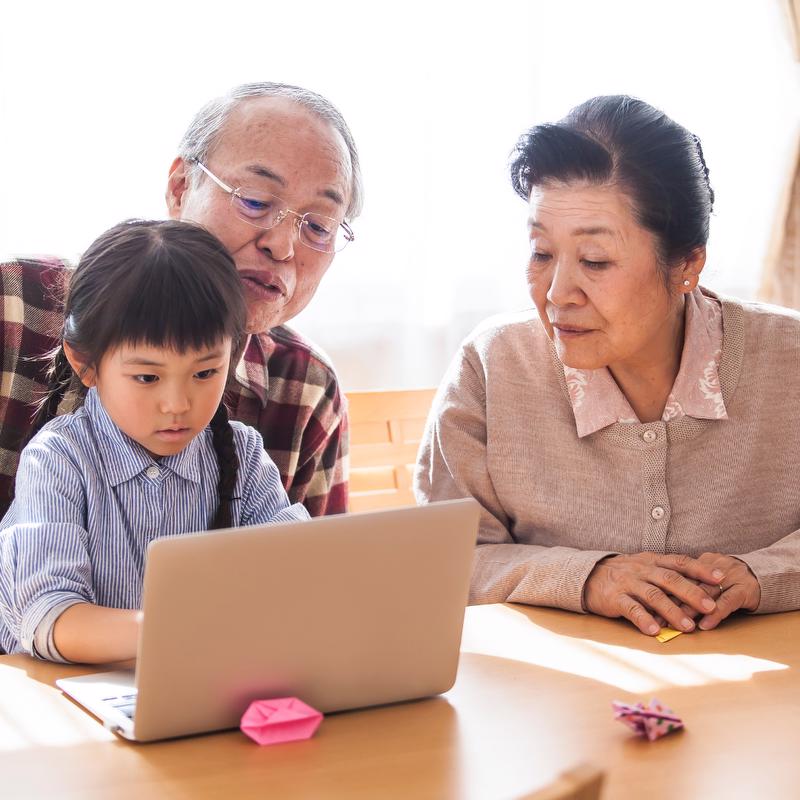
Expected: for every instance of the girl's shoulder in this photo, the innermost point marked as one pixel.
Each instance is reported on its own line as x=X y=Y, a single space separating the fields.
x=246 y=439
x=68 y=433
x=65 y=446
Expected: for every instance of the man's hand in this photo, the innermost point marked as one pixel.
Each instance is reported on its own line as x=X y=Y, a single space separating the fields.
x=648 y=587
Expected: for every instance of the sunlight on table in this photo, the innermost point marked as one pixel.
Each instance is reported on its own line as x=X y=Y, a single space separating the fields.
x=36 y=715
x=512 y=635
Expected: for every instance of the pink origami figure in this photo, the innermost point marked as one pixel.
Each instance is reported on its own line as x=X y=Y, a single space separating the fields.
x=282 y=719
x=653 y=721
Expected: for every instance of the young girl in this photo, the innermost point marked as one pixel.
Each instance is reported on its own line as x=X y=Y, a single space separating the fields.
x=153 y=314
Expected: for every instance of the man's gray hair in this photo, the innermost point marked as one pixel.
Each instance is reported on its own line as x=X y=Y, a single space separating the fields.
x=204 y=131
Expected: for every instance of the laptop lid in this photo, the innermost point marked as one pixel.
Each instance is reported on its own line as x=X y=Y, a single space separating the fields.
x=343 y=612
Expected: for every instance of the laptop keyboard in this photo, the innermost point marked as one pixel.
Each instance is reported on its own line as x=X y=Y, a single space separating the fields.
x=126 y=703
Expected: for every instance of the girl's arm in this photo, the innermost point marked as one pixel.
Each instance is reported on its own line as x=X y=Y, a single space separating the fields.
x=46 y=565
x=93 y=634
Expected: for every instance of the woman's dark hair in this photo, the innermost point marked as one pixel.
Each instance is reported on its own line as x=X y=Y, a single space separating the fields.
x=165 y=284
x=622 y=141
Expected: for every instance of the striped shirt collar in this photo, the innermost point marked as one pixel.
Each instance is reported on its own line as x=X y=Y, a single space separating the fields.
x=598 y=402
x=124 y=458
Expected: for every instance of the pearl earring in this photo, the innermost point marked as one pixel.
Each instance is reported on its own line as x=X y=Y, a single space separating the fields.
x=687 y=282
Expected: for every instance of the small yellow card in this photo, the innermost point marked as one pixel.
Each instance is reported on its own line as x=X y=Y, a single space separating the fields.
x=665 y=634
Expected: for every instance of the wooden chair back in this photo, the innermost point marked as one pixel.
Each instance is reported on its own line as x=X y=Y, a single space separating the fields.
x=385 y=432
x=583 y=782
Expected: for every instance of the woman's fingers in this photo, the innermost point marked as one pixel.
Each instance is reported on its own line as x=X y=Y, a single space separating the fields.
x=712 y=591
x=683 y=590
x=645 y=593
x=698 y=570
x=741 y=589
x=637 y=614
x=658 y=602
x=651 y=589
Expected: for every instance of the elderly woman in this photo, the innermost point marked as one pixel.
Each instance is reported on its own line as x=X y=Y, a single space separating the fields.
x=632 y=442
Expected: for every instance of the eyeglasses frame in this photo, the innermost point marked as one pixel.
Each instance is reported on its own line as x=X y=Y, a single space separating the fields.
x=282 y=214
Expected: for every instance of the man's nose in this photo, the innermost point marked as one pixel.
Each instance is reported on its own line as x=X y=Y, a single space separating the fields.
x=279 y=240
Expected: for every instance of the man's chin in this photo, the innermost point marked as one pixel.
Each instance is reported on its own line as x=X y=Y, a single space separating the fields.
x=261 y=322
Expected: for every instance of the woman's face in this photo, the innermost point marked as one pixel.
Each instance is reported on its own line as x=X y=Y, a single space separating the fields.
x=594 y=277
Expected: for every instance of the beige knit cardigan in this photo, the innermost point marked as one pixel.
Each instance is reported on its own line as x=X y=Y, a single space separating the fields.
x=502 y=430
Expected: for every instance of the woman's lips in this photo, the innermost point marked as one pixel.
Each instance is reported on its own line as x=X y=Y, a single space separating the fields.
x=570 y=331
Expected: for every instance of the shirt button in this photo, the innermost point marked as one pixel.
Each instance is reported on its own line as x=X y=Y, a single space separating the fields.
x=657 y=513
x=152 y=471
x=649 y=436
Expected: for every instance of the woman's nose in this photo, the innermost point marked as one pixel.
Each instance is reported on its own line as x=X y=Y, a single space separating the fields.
x=564 y=289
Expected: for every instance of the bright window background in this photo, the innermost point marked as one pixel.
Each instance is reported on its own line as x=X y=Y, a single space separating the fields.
x=94 y=99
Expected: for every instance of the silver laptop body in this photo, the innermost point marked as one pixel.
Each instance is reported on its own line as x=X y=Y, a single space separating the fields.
x=343 y=612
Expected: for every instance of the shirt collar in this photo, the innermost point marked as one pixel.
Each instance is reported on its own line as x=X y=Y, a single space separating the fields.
x=124 y=458
x=597 y=401
x=251 y=372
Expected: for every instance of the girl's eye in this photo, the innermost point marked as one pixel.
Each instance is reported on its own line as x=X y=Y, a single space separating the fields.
x=145 y=379
x=205 y=374
x=539 y=258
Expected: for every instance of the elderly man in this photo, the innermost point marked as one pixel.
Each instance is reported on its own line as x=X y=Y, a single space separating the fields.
x=273 y=171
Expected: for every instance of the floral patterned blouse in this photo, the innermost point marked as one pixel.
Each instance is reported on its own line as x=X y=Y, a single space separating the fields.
x=597 y=401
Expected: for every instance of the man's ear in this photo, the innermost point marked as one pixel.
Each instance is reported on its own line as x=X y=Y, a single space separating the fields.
x=177 y=184
x=87 y=374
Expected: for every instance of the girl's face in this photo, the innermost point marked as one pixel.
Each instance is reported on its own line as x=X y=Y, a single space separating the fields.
x=158 y=397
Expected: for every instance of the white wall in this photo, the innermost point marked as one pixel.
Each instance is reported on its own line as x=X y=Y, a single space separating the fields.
x=94 y=98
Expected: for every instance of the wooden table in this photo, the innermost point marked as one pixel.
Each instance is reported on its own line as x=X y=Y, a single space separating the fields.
x=532 y=698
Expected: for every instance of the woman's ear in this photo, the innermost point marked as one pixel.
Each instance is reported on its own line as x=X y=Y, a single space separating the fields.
x=86 y=373
x=688 y=275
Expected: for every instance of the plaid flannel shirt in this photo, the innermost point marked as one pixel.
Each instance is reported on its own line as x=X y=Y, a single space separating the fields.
x=283 y=387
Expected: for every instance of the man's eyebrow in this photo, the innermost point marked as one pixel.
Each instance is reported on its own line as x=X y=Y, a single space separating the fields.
x=264 y=172
x=332 y=194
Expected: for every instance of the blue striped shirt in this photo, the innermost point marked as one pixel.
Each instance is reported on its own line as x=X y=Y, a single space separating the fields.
x=89 y=500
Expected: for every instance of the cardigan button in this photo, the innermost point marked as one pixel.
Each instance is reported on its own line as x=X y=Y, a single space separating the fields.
x=649 y=436
x=658 y=513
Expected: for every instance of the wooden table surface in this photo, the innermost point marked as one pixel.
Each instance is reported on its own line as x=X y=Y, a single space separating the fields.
x=532 y=698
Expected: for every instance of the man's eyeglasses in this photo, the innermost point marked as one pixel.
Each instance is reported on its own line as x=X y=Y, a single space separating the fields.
x=264 y=210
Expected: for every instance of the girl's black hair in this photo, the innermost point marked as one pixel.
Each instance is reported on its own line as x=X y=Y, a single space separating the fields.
x=623 y=141
x=165 y=284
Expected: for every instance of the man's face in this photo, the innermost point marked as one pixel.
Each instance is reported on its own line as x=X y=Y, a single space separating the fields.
x=273 y=145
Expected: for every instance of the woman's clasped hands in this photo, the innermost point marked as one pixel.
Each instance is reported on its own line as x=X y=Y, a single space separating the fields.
x=651 y=590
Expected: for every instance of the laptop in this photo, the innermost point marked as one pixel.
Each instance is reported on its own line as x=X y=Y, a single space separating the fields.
x=343 y=612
